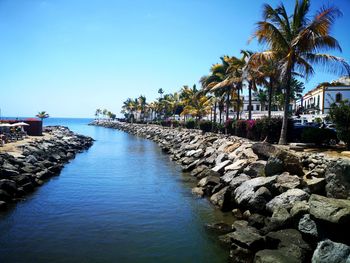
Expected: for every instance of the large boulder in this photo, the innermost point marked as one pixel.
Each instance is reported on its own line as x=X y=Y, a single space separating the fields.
x=290 y=243
x=248 y=238
x=255 y=169
x=287 y=199
x=274 y=256
x=237 y=181
x=308 y=227
x=220 y=168
x=221 y=199
x=338 y=180
x=238 y=165
x=291 y=162
x=330 y=209
x=228 y=176
x=245 y=193
x=209 y=180
x=274 y=166
x=285 y=181
x=328 y=251
x=264 y=150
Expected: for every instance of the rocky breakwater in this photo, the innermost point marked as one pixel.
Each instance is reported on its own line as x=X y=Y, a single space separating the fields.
x=36 y=161
x=290 y=206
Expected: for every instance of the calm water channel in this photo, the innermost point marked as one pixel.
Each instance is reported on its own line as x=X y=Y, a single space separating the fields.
x=123 y=200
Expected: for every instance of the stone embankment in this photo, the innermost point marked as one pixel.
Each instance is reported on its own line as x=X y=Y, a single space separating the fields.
x=290 y=206
x=37 y=161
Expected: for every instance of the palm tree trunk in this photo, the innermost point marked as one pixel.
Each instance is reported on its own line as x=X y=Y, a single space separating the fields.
x=238 y=102
x=250 y=100
x=270 y=98
x=215 y=106
x=227 y=105
x=284 y=130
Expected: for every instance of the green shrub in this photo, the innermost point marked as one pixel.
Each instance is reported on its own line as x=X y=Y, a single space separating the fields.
x=230 y=126
x=318 y=136
x=190 y=124
x=206 y=126
x=175 y=123
x=252 y=132
x=165 y=123
x=241 y=128
x=218 y=127
x=340 y=116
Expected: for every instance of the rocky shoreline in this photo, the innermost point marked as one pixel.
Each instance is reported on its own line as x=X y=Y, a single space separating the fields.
x=37 y=161
x=290 y=206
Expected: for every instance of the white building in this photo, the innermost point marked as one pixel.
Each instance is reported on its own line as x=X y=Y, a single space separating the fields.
x=318 y=100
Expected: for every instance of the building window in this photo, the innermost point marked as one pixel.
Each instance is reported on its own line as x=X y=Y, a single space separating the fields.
x=338 y=97
x=257 y=107
x=318 y=100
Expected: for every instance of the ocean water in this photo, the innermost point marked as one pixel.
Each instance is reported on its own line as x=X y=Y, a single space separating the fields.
x=122 y=200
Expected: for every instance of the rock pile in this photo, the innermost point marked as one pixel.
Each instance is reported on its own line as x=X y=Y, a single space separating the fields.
x=38 y=161
x=290 y=206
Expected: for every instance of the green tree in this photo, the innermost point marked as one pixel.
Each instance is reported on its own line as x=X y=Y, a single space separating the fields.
x=340 y=116
x=42 y=115
x=295 y=42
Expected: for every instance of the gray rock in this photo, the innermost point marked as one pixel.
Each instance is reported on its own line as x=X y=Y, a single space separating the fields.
x=299 y=208
x=220 y=228
x=209 y=180
x=273 y=166
x=31 y=159
x=255 y=169
x=236 y=166
x=198 y=170
x=248 y=238
x=198 y=191
x=274 y=256
x=291 y=162
x=240 y=255
x=9 y=186
x=308 y=227
x=291 y=243
x=329 y=209
x=220 y=168
x=338 y=180
x=258 y=201
x=264 y=150
x=328 y=251
x=315 y=185
x=285 y=181
x=287 y=199
x=221 y=157
x=221 y=199
x=280 y=218
x=237 y=181
x=245 y=192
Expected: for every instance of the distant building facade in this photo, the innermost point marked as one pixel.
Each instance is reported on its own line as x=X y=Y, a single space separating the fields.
x=318 y=100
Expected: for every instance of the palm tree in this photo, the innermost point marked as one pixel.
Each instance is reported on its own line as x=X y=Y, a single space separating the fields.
x=141 y=106
x=42 y=115
x=262 y=97
x=295 y=42
x=97 y=113
x=199 y=106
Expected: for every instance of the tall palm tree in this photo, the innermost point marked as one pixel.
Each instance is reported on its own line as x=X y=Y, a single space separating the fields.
x=97 y=113
x=42 y=115
x=141 y=106
x=296 y=41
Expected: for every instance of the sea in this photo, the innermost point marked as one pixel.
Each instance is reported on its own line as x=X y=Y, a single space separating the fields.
x=122 y=200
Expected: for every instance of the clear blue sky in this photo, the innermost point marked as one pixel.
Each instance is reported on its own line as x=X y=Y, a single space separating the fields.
x=69 y=57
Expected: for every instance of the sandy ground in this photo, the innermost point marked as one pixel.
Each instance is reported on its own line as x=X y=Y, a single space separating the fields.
x=15 y=148
x=330 y=152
